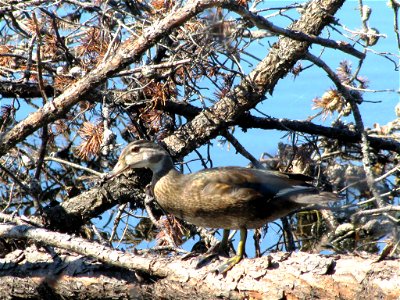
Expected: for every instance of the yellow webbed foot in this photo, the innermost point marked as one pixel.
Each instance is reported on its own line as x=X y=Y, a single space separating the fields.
x=227 y=265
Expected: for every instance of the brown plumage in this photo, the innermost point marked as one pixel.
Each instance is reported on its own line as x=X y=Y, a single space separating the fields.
x=227 y=197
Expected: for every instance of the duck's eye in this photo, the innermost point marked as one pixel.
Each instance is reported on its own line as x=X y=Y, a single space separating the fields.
x=134 y=150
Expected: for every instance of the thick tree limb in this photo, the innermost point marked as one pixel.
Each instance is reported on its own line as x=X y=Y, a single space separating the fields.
x=37 y=273
x=9 y=89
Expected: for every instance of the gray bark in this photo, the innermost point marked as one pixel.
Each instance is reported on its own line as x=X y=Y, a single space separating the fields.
x=43 y=274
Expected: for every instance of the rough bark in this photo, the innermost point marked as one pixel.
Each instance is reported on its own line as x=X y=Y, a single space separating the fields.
x=35 y=273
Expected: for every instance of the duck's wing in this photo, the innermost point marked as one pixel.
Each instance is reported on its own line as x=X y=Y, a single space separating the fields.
x=248 y=183
x=234 y=197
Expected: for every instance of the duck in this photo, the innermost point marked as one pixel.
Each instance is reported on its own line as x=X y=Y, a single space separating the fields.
x=228 y=198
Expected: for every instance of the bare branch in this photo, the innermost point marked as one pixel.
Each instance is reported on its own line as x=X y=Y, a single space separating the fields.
x=263 y=23
x=81 y=246
x=240 y=149
x=76 y=166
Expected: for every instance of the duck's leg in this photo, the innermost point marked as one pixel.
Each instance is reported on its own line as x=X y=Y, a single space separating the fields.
x=227 y=265
x=219 y=248
x=223 y=246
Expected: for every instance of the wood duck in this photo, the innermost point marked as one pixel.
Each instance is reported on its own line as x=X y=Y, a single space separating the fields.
x=225 y=197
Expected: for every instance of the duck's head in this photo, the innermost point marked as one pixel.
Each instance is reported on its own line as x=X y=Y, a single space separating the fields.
x=143 y=154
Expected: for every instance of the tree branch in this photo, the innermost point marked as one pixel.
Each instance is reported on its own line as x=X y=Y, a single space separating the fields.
x=263 y=23
x=70 y=215
x=10 y=89
x=311 y=128
x=80 y=246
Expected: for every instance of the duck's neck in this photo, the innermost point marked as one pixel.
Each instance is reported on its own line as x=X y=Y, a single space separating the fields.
x=164 y=167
